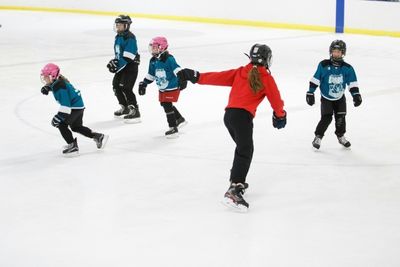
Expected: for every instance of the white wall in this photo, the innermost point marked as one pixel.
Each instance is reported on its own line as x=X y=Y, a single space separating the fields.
x=359 y=14
x=373 y=15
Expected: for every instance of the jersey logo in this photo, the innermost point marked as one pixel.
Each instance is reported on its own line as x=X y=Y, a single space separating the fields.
x=336 y=85
x=161 y=79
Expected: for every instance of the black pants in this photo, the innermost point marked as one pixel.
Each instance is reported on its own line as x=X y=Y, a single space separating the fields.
x=328 y=109
x=172 y=113
x=74 y=121
x=239 y=123
x=123 y=83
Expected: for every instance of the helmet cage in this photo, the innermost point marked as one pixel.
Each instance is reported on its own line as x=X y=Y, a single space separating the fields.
x=158 y=46
x=125 y=20
x=337 y=45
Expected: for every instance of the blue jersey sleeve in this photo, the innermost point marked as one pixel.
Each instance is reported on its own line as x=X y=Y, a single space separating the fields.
x=126 y=49
x=68 y=97
x=351 y=78
x=316 y=79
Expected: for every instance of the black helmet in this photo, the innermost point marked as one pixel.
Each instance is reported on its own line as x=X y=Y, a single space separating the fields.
x=124 y=19
x=338 y=44
x=261 y=54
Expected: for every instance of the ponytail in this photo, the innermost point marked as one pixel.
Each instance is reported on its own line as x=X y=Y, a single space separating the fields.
x=61 y=77
x=254 y=79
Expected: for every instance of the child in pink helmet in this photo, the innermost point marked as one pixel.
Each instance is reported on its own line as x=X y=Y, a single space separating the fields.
x=70 y=113
x=163 y=69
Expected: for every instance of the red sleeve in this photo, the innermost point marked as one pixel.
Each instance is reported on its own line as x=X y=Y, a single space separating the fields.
x=223 y=78
x=274 y=97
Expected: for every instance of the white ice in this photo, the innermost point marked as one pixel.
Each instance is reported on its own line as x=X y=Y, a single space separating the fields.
x=149 y=201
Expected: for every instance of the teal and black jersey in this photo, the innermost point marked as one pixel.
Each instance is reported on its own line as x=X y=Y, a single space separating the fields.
x=333 y=80
x=125 y=49
x=163 y=70
x=67 y=96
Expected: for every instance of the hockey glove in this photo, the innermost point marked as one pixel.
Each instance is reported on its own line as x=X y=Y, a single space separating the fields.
x=45 y=90
x=188 y=75
x=113 y=65
x=58 y=119
x=310 y=98
x=142 y=88
x=182 y=84
x=137 y=59
x=355 y=93
x=278 y=122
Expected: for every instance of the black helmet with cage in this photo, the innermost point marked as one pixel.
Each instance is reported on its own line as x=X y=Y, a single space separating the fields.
x=125 y=20
x=337 y=45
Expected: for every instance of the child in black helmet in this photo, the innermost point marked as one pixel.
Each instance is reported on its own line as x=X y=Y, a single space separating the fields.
x=125 y=66
x=332 y=77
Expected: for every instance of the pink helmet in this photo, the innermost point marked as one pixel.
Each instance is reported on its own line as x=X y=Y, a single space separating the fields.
x=51 y=70
x=158 y=45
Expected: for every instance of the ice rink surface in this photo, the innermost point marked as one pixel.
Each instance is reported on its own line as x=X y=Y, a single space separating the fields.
x=149 y=201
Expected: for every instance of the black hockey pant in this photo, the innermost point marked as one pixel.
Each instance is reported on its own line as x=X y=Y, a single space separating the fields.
x=239 y=123
x=172 y=113
x=123 y=83
x=328 y=109
x=74 y=121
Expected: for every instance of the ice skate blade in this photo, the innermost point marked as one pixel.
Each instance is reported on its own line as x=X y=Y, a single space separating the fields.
x=132 y=121
x=71 y=155
x=183 y=124
x=105 y=140
x=227 y=202
x=172 y=136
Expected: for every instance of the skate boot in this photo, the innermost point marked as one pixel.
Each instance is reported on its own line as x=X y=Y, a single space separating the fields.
x=181 y=122
x=343 y=141
x=316 y=143
x=133 y=116
x=233 y=198
x=121 y=112
x=100 y=139
x=72 y=149
x=172 y=133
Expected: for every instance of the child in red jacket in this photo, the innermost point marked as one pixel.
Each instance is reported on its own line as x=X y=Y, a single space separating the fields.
x=250 y=85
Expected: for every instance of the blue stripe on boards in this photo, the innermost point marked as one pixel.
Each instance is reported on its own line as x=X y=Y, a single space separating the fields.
x=339 y=27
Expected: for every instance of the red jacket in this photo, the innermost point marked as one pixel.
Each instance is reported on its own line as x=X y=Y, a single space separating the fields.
x=241 y=95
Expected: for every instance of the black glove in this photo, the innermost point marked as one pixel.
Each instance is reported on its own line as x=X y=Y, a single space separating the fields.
x=182 y=84
x=310 y=98
x=45 y=90
x=188 y=75
x=355 y=93
x=357 y=100
x=58 y=119
x=278 y=122
x=142 y=88
x=137 y=59
x=113 y=65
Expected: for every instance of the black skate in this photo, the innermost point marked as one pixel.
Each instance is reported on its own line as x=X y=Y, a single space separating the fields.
x=343 y=141
x=133 y=116
x=234 y=197
x=72 y=149
x=180 y=122
x=316 y=143
x=121 y=112
x=100 y=139
x=172 y=133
